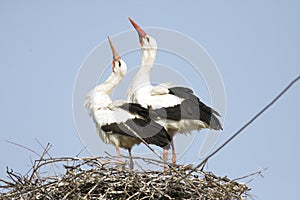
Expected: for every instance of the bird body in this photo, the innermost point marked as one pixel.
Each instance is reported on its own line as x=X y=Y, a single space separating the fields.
x=176 y=108
x=105 y=112
x=116 y=121
x=180 y=113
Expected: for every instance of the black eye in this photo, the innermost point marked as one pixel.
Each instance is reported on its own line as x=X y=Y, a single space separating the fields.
x=148 y=39
x=119 y=63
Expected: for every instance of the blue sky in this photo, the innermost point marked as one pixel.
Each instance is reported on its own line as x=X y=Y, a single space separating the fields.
x=254 y=44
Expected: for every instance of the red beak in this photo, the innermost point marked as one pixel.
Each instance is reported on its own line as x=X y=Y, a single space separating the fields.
x=114 y=52
x=140 y=31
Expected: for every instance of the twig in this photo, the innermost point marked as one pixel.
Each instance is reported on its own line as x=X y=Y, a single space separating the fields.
x=43 y=146
x=252 y=174
x=83 y=149
x=91 y=190
x=35 y=169
x=22 y=146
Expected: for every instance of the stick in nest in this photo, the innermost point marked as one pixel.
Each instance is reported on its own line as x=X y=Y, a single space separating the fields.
x=95 y=178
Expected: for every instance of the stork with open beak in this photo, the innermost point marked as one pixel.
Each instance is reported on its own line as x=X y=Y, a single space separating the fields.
x=117 y=122
x=179 y=110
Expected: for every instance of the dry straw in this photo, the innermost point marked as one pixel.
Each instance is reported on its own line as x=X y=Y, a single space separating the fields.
x=104 y=178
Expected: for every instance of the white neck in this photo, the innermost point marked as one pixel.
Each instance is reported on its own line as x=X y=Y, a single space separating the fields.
x=111 y=82
x=142 y=77
x=101 y=94
x=99 y=97
x=148 y=57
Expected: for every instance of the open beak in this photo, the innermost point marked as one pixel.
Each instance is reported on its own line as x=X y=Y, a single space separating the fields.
x=140 y=31
x=116 y=56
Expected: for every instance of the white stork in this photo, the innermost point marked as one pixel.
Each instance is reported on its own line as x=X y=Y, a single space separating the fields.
x=118 y=122
x=177 y=108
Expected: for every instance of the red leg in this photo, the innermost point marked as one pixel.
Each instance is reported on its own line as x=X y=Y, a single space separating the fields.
x=166 y=154
x=118 y=154
x=173 y=153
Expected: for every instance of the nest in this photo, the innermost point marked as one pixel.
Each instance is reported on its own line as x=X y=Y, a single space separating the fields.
x=105 y=178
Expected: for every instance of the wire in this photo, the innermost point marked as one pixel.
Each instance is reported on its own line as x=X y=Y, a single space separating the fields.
x=242 y=128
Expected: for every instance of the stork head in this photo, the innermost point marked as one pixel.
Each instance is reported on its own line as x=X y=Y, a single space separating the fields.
x=118 y=65
x=147 y=42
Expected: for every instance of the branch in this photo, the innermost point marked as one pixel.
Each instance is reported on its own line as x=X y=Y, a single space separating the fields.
x=258 y=173
x=22 y=146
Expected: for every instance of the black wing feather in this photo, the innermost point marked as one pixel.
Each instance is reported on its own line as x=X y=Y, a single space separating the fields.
x=187 y=93
x=151 y=132
x=148 y=129
x=190 y=108
x=136 y=109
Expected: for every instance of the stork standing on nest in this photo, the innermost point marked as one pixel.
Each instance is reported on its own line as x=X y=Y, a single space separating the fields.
x=117 y=122
x=179 y=110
